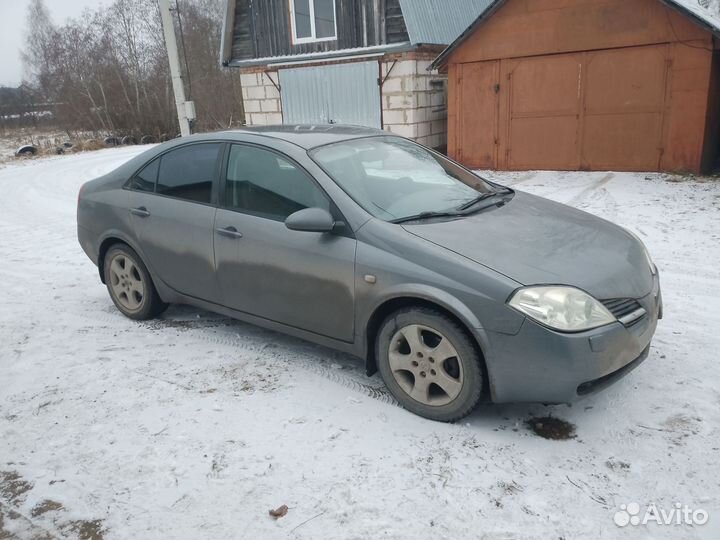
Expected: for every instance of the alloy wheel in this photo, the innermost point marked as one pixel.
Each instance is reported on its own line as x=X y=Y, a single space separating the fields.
x=426 y=365
x=126 y=282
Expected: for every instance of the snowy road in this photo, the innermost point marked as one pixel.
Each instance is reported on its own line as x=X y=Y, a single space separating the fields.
x=194 y=426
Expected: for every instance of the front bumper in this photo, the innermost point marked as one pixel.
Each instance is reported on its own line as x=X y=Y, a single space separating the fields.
x=541 y=365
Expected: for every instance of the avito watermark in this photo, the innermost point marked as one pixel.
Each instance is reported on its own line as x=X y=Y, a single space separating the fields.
x=678 y=514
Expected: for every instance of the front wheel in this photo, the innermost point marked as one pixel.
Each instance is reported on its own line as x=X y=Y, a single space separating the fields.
x=129 y=284
x=429 y=364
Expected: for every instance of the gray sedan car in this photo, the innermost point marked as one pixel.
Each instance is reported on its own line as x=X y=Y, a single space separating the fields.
x=454 y=288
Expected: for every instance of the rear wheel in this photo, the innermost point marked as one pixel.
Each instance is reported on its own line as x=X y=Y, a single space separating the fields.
x=429 y=364
x=129 y=284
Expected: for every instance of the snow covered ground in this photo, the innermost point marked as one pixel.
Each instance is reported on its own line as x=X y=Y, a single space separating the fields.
x=194 y=426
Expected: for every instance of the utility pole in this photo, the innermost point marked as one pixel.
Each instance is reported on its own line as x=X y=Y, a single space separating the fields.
x=185 y=109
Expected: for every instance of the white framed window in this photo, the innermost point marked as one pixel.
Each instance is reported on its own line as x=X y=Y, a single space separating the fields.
x=313 y=20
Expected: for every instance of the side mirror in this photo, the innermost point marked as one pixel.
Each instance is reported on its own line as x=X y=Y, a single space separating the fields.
x=310 y=220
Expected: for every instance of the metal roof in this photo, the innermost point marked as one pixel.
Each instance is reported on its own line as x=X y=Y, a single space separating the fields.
x=430 y=22
x=690 y=8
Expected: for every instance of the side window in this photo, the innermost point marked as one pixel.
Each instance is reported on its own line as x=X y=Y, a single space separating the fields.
x=146 y=178
x=265 y=184
x=188 y=172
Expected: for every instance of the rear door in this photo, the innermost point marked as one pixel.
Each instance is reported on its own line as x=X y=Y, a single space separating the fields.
x=335 y=94
x=172 y=203
x=301 y=279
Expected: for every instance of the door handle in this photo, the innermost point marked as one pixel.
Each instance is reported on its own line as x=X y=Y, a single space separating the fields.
x=140 y=212
x=230 y=232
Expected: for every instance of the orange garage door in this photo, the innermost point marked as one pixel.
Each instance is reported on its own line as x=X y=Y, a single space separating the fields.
x=589 y=110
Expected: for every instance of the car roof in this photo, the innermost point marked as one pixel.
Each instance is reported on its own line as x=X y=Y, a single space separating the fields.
x=309 y=135
x=305 y=136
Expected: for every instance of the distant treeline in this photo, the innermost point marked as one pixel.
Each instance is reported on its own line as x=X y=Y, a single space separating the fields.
x=108 y=70
x=19 y=109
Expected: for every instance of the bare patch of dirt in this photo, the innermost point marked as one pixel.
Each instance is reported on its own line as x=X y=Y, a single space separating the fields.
x=89 y=145
x=260 y=376
x=87 y=530
x=185 y=325
x=45 y=506
x=21 y=527
x=549 y=427
x=12 y=486
x=3 y=533
x=680 y=427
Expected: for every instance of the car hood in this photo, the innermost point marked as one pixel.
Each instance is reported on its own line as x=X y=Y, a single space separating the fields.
x=536 y=241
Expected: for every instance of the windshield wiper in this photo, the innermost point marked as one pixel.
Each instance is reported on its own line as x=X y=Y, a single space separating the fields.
x=458 y=212
x=426 y=215
x=485 y=197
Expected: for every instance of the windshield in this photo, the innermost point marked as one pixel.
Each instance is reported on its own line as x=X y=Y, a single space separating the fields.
x=394 y=178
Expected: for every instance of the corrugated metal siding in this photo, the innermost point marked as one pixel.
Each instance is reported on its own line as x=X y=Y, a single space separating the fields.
x=243 y=44
x=440 y=23
x=395 y=28
x=337 y=94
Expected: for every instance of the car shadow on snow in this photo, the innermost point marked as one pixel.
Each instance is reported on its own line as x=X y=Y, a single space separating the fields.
x=547 y=421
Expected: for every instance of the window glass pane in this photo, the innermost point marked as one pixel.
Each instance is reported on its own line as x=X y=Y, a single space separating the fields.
x=145 y=179
x=302 y=19
x=324 y=19
x=187 y=173
x=263 y=183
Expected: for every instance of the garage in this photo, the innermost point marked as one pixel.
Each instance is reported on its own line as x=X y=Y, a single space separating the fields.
x=584 y=85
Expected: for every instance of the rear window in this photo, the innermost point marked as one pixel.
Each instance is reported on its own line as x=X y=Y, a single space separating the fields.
x=188 y=172
x=145 y=179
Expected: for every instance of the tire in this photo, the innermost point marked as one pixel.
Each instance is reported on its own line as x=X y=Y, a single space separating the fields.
x=429 y=364
x=129 y=284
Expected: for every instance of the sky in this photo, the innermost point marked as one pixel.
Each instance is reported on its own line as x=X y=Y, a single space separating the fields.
x=12 y=30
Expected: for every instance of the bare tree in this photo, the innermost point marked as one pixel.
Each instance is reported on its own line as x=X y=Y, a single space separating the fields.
x=108 y=72
x=216 y=91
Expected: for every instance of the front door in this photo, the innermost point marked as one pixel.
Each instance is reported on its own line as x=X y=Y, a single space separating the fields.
x=172 y=209
x=301 y=279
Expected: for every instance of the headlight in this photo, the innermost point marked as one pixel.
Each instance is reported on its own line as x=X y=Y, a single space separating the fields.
x=566 y=309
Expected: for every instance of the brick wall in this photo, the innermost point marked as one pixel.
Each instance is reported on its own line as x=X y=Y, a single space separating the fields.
x=414 y=101
x=261 y=98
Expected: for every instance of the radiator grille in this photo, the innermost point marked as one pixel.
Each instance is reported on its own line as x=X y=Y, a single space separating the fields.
x=621 y=307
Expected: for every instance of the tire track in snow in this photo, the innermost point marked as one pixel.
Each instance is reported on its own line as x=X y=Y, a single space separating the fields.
x=349 y=372
x=590 y=189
